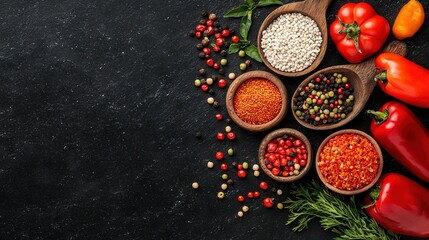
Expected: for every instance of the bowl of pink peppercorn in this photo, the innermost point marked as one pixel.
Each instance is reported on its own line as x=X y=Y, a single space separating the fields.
x=285 y=155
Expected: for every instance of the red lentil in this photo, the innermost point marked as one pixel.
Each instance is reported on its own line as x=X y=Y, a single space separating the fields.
x=257 y=101
x=349 y=161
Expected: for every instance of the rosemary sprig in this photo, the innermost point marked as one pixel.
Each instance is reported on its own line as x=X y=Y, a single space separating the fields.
x=314 y=201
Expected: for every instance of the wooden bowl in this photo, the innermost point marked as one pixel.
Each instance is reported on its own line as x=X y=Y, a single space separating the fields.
x=316 y=10
x=361 y=78
x=236 y=84
x=279 y=133
x=357 y=191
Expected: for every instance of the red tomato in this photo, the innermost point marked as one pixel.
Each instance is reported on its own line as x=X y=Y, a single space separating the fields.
x=358 y=32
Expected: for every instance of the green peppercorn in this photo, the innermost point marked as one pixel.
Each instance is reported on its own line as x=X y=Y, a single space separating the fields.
x=224 y=176
x=280 y=206
x=197 y=82
x=245 y=165
x=230 y=152
x=241 y=53
x=223 y=62
x=298 y=113
x=243 y=66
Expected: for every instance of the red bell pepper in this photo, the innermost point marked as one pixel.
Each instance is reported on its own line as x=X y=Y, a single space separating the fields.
x=398 y=130
x=358 y=32
x=400 y=205
x=403 y=79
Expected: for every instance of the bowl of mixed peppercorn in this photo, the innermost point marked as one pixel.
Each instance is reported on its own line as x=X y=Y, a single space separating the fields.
x=349 y=162
x=257 y=101
x=285 y=155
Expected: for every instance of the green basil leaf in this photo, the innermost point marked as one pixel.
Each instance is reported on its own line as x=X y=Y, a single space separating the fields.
x=263 y=3
x=234 y=48
x=239 y=11
x=244 y=43
x=246 y=22
x=249 y=3
x=252 y=52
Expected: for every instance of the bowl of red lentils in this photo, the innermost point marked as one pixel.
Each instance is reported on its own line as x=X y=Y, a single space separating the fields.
x=349 y=162
x=257 y=101
x=285 y=155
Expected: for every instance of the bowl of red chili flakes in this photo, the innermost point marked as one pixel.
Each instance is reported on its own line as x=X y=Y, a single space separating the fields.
x=349 y=162
x=257 y=101
x=285 y=155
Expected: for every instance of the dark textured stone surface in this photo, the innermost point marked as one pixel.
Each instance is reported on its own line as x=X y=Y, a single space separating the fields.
x=97 y=120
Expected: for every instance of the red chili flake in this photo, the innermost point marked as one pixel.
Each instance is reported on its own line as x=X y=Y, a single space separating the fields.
x=257 y=101
x=349 y=161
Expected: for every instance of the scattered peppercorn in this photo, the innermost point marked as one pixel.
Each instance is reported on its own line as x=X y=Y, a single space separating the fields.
x=243 y=66
x=224 y=176
x=241 y=173
x=245 y=208
x=231 y=76
x=216 y=104
x=202 y=72
x=210 y=164
x=210 y=100
x=195 y=185
x=248 y=62
x=198 y=135
x=223 y=186
x=231 y=136
x=268 y=202
x=219 y=155
x=221 y=83
x=240 y=214
x=263 y=185
x=220 y=195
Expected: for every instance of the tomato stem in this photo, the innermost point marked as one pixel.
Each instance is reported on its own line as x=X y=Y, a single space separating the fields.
x=379 y=117
x=352 y=31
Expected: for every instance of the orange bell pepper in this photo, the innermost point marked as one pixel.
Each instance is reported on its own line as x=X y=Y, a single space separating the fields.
x=409 y=20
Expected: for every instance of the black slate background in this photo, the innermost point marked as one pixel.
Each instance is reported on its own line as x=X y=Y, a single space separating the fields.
x=97 y=120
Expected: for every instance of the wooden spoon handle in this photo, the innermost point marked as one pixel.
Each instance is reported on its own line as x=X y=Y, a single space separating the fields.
x=317 y=6
x=367 y=71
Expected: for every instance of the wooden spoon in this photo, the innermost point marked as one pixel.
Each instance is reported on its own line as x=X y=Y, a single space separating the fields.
x=315 y=9
x=361 y=78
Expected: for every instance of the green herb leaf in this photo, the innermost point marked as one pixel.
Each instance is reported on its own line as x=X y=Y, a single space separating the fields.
x=249 y=3
x=234 y=48
x=252 y=52
x=239 y=11
x=312 y=201
x=246 y=22
x=263 y=3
